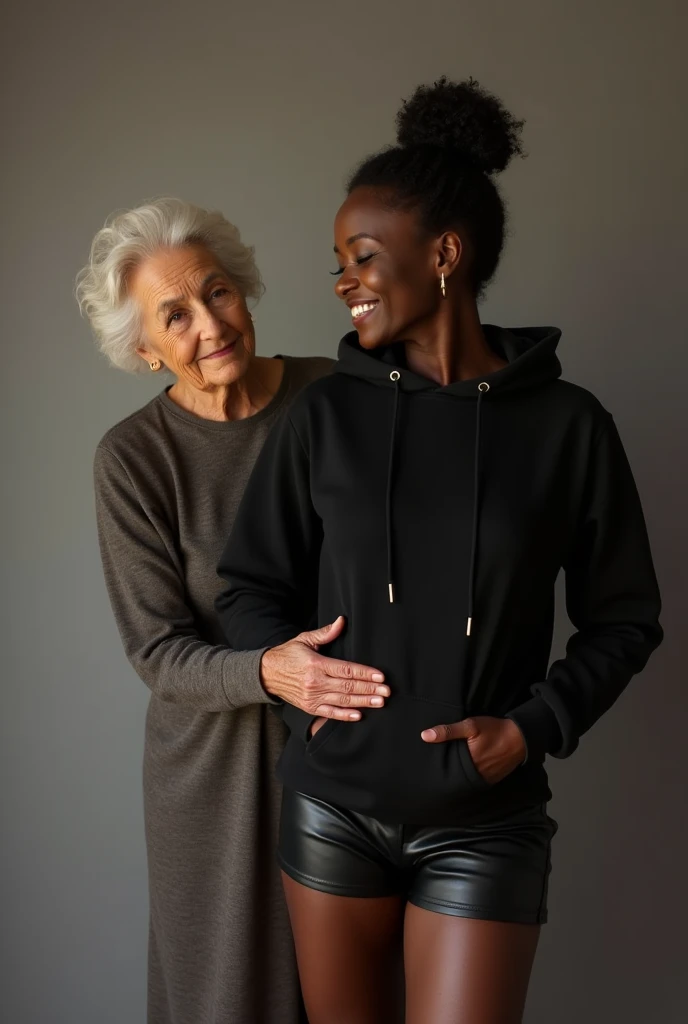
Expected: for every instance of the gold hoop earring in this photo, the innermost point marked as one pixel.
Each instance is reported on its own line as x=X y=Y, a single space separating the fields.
x=155 y=365
x=443 y=286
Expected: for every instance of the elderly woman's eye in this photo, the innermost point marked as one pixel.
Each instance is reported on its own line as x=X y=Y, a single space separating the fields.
x=220 y=293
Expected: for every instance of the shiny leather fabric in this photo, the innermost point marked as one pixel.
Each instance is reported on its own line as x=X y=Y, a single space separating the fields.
x=494 y=866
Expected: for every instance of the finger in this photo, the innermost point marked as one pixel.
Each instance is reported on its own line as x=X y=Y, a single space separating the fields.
x=350 y=670
x=353 y=700
x=464 y=730
x=341 y=714
x=354 y=687
x=324 y=634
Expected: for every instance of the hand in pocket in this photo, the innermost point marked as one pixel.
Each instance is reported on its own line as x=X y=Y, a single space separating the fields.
x=496 y=745
x=316 y=726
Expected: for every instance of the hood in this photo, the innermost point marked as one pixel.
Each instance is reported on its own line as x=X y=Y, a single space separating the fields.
x=530 y=351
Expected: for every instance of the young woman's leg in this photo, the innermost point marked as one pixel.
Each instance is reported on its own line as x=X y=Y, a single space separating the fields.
x=476 y=903
x=347 y=913
x=349 y=955
x=465 y=971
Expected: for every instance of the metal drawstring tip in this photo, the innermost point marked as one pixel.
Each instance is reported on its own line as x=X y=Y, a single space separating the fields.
x=391 y=593
x=469 y=623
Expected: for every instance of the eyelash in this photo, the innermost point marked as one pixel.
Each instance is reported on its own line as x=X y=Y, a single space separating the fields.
x=178 y=313
x=358 y=262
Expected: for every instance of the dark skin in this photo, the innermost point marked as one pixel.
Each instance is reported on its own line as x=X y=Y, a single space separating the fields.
x=457 y=970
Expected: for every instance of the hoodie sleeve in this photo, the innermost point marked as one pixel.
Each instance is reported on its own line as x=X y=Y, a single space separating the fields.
x=613 y=602
x=270 y=562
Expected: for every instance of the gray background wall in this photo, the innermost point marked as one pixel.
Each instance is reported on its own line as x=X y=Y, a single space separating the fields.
x=260 y=110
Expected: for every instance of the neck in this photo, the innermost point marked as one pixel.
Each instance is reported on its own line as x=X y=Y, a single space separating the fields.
x=454 y=347
x=237 y=401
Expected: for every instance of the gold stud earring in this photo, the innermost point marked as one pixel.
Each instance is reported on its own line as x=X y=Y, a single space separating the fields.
x=443 y=286
x=155 y=365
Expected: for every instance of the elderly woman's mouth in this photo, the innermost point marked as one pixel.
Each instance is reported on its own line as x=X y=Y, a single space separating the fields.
x=225 y=351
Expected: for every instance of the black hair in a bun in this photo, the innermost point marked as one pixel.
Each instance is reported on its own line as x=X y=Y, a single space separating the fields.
x=451 y=137
x=461 y=116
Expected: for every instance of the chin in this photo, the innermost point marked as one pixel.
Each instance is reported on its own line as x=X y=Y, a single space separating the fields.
x=370 y=340
x=232 y=371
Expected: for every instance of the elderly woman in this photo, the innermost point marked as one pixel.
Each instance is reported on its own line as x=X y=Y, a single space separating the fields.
x=167 y=287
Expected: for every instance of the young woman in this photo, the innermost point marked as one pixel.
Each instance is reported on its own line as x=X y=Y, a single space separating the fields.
x=430 y=491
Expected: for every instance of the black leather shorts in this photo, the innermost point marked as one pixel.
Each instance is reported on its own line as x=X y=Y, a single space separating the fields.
x=492 y=866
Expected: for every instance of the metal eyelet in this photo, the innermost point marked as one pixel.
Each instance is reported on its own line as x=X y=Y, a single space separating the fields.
x=484 y=387
x=395 y=376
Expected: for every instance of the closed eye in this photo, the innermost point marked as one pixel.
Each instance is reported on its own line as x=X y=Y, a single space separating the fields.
x=357 y=262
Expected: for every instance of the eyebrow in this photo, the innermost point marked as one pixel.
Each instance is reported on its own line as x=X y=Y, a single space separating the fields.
x=355 y=238
x=169 y=303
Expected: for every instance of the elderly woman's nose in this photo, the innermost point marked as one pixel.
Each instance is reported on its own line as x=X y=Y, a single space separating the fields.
x=209 y=325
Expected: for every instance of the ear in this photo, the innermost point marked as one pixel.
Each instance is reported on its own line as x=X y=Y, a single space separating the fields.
x=149 y=357
x=449 y=252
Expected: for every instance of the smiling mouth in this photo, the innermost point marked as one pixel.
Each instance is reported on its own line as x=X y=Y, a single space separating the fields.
x=360 y=310
x=222 y=351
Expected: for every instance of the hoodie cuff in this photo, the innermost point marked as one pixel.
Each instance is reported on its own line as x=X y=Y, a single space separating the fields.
x=299 y=722
x=539 y=727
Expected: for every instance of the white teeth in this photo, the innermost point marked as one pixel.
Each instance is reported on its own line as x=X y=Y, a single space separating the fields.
x=364 y=307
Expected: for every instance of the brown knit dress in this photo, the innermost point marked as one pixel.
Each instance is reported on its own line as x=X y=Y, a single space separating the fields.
x=167 y=489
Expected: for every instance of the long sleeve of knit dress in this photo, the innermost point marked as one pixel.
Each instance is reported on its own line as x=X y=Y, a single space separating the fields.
x=145 y=580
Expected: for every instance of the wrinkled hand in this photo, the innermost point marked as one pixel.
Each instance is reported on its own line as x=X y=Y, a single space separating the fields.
x=496 y=745
x=319 y=685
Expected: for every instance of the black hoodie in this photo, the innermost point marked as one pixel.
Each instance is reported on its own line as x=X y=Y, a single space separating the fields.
x=436 y=519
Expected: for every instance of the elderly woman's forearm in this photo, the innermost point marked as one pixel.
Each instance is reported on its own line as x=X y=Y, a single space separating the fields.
x=148 y=598
x=185 y=670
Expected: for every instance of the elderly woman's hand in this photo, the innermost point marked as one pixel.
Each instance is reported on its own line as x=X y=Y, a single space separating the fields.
x=319 y=685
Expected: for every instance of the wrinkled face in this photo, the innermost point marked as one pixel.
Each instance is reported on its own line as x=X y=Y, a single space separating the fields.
x=388 y=274
x=195 y=319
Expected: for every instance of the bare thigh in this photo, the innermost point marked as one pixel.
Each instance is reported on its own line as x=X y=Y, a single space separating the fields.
x=464 y=971
x=349 y=955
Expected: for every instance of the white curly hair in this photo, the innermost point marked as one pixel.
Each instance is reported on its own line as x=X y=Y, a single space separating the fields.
x=130 y=237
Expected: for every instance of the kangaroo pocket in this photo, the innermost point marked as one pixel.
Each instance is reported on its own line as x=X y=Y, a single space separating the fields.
x=380 y=765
